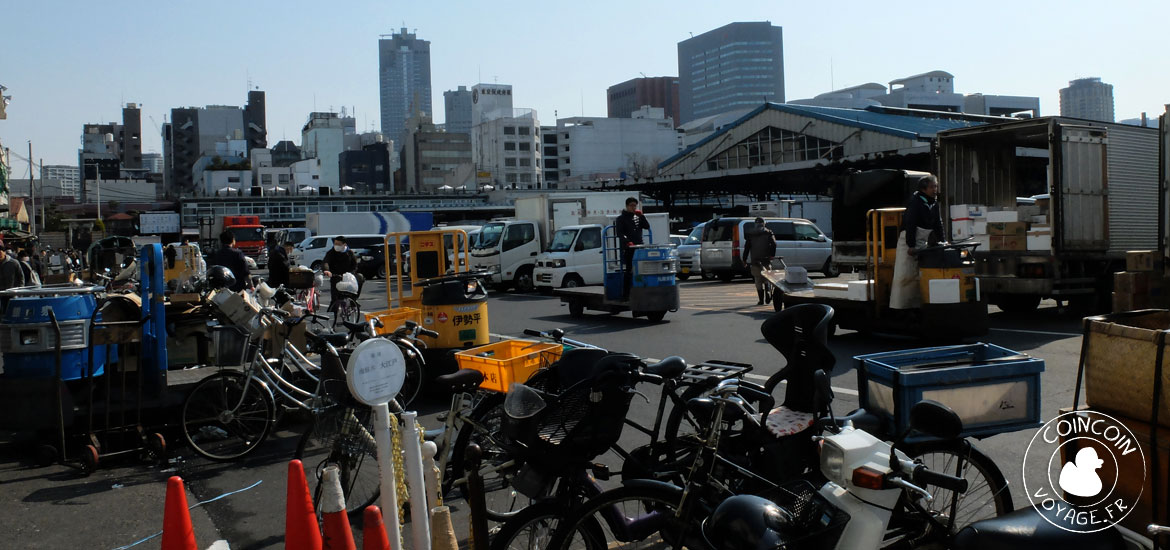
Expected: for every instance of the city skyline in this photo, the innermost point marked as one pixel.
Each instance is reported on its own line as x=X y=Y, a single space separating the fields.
x=308 y=60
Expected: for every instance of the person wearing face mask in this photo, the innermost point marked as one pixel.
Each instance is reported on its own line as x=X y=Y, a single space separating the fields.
x=31 y=277
x=339 y=261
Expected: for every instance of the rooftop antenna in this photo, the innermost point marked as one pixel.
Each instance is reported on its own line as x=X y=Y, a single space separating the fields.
x=692 y=34
x=643 y=74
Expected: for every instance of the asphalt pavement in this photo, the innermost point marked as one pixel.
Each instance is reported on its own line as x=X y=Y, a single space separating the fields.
x=121 y=503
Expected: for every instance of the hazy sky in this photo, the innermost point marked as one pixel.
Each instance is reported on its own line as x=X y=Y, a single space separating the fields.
x=67 y=63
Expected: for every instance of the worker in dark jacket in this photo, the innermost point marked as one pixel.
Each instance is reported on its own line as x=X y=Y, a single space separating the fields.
x=339 y=261
x=11 y=274
x=758 y=252
x=921 y=226
x=232 y=258
x=278 y=265
x=629 y=226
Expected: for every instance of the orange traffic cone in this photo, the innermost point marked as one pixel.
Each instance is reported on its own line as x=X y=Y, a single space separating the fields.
x=337 y=534
x=373 y=531
x=178 y=534
x=300 y=522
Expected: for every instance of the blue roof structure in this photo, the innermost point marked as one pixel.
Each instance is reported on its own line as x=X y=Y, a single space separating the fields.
x=906 y=123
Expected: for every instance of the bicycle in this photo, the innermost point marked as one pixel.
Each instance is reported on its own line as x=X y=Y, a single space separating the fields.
x=228 y=414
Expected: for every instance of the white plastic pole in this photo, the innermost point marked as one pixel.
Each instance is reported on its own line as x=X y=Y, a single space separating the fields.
x=420 y=520
x=429 y=450
x=386 y=468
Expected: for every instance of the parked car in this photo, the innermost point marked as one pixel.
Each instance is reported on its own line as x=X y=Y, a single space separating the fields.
x=312 y=251
x=798 y=241
x=689 y=261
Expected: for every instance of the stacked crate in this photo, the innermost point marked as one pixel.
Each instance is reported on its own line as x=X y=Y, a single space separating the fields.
x=1021 y=229
x=1139 y=286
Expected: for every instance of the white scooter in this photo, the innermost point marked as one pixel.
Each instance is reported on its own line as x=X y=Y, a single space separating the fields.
x=869 y=480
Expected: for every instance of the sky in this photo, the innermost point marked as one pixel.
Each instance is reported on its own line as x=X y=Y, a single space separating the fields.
x=68 y=63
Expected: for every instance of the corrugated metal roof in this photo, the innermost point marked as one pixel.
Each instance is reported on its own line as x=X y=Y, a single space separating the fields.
x=905 y=124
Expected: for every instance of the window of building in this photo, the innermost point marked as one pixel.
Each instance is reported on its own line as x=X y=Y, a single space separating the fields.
x=525 y=146
x=509 y=130
x=525 y=131
x=379 y=168
x=233 y=179
x=510 y=162
x=510 y=178
x=525 y=162
x=525 y=178
x=774 y=146
x=550 y=139
x=550 y=151
x=509 y=146
x=550 y=163
x=265 y=179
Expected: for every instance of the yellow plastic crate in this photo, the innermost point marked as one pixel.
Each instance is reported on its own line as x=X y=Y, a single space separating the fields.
x=393 y=318
x=508 y=361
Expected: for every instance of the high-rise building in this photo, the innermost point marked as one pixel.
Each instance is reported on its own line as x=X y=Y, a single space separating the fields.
x=432 y=159
x=586 y=149
x=324 y=137
x=194 y=132
x=490 y=101
x=457 y=105
x=1087 y=98
x=152 y=163
x=111 y=148
x=737 y=66
x=629 y=96
x=69 y=176
x=404 y=77
x=507 y=149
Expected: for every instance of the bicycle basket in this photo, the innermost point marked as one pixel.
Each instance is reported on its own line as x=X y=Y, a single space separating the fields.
x=523 y=402
x=814 y=518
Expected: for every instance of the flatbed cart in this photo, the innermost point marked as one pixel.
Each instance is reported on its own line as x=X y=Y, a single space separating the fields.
x=863 y=305
x=653 y=287
x=68 y=374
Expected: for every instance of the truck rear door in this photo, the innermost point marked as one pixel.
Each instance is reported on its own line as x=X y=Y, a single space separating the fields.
x=1081 y=170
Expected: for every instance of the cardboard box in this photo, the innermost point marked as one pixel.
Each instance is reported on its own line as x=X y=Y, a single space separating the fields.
x=1009 y=242
x=1015 y=229
x=984 y=242
x=1140 y=260
x=1005 y=216
x=859 y=290
x=1039 y=219
x=1122 y=302
x=1131 y=282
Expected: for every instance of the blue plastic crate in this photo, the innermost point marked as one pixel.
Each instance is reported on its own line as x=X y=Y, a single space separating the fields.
x=993 y=389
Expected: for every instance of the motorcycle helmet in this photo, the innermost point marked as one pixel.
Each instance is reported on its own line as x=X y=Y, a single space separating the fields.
x=746 y=522
x=348 y=284
x=220 y=277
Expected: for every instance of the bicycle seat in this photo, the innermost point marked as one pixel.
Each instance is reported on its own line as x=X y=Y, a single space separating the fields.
x=338 y=339
x=355 y=327
x=1026 y=529
x=461 y=380
x=671 y=367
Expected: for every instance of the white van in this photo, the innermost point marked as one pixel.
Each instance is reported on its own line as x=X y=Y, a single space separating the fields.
x=572 y=259
x=799 y=241
x=311 y=251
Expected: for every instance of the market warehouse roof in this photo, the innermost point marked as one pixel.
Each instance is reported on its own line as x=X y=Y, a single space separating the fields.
x=881 y=129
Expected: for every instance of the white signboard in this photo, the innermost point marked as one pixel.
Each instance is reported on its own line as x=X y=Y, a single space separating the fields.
x=375 y=371
x=154 y=223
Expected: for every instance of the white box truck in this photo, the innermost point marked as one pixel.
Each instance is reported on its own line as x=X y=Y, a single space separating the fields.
x=508 y=248
x=574 y=255
x=366 y=223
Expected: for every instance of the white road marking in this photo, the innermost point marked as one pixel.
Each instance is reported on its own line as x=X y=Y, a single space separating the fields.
x=1043 y=332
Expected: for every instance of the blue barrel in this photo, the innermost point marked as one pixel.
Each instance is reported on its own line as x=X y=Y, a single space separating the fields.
x=28 y=340
x=655 y=266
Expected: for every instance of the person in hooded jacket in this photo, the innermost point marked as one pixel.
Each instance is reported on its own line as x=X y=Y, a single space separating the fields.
x=339 y=261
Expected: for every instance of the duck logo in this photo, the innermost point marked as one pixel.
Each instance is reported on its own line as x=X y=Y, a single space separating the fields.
x=1074 y=469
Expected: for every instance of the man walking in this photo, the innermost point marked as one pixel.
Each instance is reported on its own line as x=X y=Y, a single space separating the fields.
x=758 y=252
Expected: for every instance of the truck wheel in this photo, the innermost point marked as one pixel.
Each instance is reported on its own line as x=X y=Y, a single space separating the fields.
x=829 y=269
x=726 y=277
x=1018 y=303
x=523 y=281
x=683 y=276
x=655 y=316
x=576 y=309
x=572 y=281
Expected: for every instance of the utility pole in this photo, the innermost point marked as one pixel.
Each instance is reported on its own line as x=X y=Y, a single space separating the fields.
x=43 y=218
x=32 y=219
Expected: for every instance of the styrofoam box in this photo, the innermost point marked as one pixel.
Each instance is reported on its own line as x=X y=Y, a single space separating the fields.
x=1003 y=216
x=858 y=290
x=979 y=227
x=960 y=211
x=944 y=291
x=984 y=241
x=1039 y=219
x=962 y=229
x=796 y=275
x=1040 y=242
x=821 y=292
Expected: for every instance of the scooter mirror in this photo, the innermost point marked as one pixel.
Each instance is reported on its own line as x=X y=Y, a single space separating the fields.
x=935 y=419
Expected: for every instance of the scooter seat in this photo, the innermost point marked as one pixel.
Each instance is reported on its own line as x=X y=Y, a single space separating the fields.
x=668 y=368
x=1026 y=529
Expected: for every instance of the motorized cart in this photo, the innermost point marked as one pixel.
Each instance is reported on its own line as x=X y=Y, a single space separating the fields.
x=952 y=307
x=653 y=282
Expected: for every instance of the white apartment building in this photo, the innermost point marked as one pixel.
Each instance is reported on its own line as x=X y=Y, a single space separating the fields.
x=593 y=148
x=324 y=137
x=508 y=149
x=69 y=176
x=930 y=91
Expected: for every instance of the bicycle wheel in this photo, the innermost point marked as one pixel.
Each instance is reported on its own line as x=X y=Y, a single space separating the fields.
x=347 y=311
x=502 y=500
x=342 y=435
x=627 y=518
x=531 y=528
x=215 y=427
x=987 y=494
x=411 y=384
